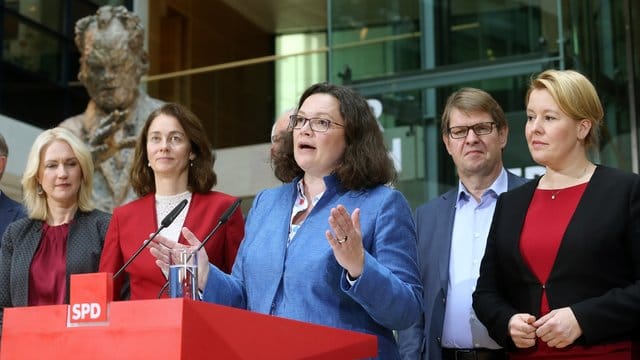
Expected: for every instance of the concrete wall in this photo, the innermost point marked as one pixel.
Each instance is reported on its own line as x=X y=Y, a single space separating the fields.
x=19 y=137
x=245 y=170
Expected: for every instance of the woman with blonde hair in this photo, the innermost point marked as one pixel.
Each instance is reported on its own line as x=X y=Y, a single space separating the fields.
x=560 y=277
x=62 y=235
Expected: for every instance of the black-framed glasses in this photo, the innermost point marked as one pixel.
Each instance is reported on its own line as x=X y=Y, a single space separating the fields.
x=316 y=124
x=459 y=132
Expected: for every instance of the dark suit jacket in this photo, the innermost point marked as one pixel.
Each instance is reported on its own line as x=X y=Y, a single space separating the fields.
x=596 y=271
x=21 y=240
x=10 y=211
x=132 y=223
x=435 y=226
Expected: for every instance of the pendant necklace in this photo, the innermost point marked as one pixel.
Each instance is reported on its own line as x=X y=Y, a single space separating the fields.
x=555 y=193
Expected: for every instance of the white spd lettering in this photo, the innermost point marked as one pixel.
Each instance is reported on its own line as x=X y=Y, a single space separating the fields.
x=85 y=310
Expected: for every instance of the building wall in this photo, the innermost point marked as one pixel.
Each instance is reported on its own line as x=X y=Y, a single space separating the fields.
x=19 y=137
x=236 y=105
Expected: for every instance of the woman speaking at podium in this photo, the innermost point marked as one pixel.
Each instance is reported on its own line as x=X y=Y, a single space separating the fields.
x=63 y=233
x=334 y=245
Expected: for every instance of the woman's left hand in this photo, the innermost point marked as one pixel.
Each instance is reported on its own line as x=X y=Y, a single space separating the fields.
x=559 y=328
x=345 y=238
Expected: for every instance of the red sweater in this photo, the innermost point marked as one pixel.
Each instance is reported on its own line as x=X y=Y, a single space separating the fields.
x=546 y=221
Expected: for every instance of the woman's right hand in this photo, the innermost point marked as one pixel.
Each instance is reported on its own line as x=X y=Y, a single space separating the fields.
x=203 y=257
x=160 y=247
x=522 y=331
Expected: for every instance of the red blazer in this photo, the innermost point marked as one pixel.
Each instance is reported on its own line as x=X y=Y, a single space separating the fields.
x=132 y=223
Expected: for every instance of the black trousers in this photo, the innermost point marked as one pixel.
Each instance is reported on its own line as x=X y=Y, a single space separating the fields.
x=473 y=354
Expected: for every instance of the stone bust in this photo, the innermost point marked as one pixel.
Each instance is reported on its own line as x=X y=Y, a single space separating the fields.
x=112 y=62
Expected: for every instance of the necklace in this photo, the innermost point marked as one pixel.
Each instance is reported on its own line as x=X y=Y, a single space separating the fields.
x=554 y=194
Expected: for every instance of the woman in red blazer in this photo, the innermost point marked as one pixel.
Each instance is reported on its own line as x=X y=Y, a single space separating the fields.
x=560 y=277
x=172 y=162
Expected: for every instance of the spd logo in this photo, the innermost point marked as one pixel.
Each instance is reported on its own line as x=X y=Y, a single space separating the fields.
x=84 y=312
x=89 y=299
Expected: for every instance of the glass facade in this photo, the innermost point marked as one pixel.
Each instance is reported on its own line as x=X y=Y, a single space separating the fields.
x=406 y=56
x=410 y=55
x=39 y=60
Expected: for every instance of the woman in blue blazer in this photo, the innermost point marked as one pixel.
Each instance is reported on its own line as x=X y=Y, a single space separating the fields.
x=334 y=245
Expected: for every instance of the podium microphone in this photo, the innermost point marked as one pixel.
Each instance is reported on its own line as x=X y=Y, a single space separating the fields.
x=223 y=219
x=163 y=224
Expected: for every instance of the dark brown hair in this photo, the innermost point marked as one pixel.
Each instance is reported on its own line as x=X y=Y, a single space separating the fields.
x=365 y=162
x=201 y=175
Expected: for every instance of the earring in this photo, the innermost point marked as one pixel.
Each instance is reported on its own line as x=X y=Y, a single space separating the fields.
x=191 y=163
x=39 y=190
x=148 y=164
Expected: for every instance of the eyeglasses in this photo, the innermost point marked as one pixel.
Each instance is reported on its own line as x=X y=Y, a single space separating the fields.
x=459 y=132
x=316 y=124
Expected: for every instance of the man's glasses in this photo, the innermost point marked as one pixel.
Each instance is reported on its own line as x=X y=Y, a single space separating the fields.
x=316 y=124
x=459 y=132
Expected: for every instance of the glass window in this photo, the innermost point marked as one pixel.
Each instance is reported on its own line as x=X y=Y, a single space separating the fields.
x=30 y=48
x=472 y=30
x=379 y=39
x=299 y=64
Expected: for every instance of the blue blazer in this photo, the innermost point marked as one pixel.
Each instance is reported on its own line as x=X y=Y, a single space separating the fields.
x=305 y=282
x=435 y=226
x=10 y=211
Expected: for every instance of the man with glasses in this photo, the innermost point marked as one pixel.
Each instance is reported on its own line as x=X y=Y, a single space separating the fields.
x=452 y=233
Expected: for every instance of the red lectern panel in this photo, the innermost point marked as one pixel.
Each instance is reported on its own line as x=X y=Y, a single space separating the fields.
x=175 y=329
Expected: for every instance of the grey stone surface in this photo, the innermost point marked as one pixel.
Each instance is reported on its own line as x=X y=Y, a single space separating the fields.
x=112 y=62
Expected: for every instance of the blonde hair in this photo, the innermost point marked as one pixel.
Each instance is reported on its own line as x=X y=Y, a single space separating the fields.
x=575 y=95
x=37 y=204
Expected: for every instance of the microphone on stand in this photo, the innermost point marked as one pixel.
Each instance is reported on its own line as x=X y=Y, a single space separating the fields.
x=223 y=219
x=163 y=224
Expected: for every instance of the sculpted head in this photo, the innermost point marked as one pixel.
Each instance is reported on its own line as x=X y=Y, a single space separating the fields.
x=113 y=58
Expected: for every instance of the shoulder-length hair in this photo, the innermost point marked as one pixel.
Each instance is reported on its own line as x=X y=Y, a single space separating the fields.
x=575 y=95
x=37 y=204
x=365 y=162
x=201 y=176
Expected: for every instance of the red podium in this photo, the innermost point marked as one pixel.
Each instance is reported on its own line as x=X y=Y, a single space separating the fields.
x=174 y=329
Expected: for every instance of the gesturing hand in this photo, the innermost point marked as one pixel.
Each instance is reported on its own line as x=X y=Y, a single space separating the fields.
x=345 y=238
x=160 y=246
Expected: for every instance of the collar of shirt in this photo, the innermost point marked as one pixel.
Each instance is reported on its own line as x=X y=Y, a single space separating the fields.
x=301 y=204
x=499 y=186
